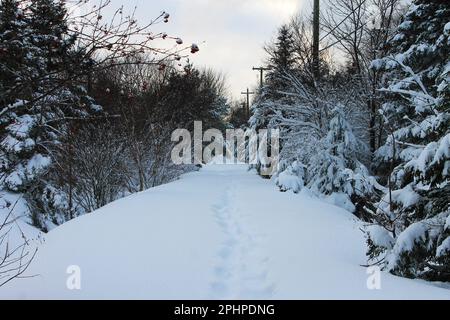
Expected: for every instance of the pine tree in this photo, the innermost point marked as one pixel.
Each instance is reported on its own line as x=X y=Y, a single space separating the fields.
x=281 y=61
x=48 y=23
x=13 y=51
x=17 y=64
x=36 y=123
x=412 y=233
x=272 y=96
x=335 y=169
x=16 y=55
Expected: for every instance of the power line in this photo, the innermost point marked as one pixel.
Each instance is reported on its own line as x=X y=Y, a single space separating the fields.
x=347 y=34
x=340 y=23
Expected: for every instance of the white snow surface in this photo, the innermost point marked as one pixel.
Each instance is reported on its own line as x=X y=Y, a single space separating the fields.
x=220 y=233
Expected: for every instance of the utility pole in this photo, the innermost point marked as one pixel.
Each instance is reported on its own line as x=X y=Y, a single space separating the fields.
x=248 y=93
x=261 y=70
x=316 y=40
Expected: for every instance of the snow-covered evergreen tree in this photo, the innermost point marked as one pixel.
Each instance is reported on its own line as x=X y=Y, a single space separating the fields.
x=335 y=169
x=18 y=69
x=412 y=232
x=281 y=63
x=40 y=100
x=13 y=51
x=271 y=98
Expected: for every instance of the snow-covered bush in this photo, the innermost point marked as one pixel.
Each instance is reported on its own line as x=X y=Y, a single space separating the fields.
x=291 y=178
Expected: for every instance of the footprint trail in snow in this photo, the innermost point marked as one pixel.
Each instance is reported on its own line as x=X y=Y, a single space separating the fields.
x=241 y=270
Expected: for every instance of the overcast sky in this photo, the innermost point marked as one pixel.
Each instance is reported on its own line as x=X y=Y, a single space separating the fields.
x=230 y=33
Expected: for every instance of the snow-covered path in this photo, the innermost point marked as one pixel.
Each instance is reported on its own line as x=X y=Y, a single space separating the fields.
x=221 y=233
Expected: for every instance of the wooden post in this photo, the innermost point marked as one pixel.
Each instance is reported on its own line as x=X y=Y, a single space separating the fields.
x=261 y=70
